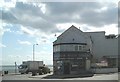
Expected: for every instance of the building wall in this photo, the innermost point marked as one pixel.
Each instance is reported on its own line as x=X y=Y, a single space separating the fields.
x=102 y=46
x=111 y=46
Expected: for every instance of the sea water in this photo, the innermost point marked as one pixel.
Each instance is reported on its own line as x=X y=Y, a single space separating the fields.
x=9 y=68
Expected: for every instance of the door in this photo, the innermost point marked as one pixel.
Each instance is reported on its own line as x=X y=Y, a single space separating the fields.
x=66 y=68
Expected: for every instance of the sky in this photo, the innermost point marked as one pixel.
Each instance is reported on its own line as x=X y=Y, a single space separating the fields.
x=23 y=24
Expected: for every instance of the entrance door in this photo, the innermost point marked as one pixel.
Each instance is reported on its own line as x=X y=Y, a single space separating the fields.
x=82 y=64
x=66 y=68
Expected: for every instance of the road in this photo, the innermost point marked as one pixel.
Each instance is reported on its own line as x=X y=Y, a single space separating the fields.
x=112 y=76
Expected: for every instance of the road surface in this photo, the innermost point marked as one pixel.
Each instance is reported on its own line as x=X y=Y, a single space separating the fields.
x=112 y=76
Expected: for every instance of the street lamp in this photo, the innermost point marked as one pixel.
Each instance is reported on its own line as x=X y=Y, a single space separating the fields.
x=34 y=51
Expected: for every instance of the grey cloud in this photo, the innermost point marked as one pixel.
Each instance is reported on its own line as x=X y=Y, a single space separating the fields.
x=100 y=18
x=31 y=16
x=119 y=14
x=28 y=15
x=69 y=8
x=29 y=9
x=85 y=28
x=64 y=13
x=7 y=16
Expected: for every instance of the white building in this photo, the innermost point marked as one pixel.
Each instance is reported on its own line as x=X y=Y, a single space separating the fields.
x=74 y=50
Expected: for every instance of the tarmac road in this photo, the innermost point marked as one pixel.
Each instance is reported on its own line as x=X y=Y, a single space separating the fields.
x=112 y=76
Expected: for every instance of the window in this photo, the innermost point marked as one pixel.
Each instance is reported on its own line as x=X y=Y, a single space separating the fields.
x=53 y=48
x=76 y=48
x=84 y=47
x=56 y=56
x=80 y=48
x=56 y=48
x=70 y=47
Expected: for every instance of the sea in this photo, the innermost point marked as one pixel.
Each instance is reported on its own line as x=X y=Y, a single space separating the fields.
x=13 y=69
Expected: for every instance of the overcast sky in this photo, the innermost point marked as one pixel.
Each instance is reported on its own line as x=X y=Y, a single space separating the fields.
x=26 y=23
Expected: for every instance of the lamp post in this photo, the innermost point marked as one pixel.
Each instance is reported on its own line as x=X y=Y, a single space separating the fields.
x=15 y=67
x=34 y=51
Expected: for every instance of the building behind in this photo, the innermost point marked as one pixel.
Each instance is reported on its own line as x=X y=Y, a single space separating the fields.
x=75 y=52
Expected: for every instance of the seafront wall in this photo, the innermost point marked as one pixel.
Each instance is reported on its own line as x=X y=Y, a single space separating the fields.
x=104 y=70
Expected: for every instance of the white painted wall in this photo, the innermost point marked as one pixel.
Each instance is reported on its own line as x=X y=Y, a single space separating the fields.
x=102 y=46
x=98 y=39
x=111 y=46
x=74 y=35
x=70 y=34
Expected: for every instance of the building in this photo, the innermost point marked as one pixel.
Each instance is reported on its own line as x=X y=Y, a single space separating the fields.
x=75 y=51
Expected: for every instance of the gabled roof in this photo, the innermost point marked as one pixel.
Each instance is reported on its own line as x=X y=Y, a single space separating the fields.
x=69 y=29
x=74 y=34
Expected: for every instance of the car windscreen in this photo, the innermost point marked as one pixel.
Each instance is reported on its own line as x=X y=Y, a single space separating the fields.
x=22 y=66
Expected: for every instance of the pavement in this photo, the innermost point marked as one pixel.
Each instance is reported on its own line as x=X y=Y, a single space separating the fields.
x=111 y=76
x=68 y=76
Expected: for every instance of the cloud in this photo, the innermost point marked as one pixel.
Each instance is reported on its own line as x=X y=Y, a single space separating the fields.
x=83 y=13
x=3 y=30
x=8 y=16
x=28 y=15
x=113 y=29
x=45 y=18
x=27 y=31
x=2 y=45
x=24 y=42
x=7 y=3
